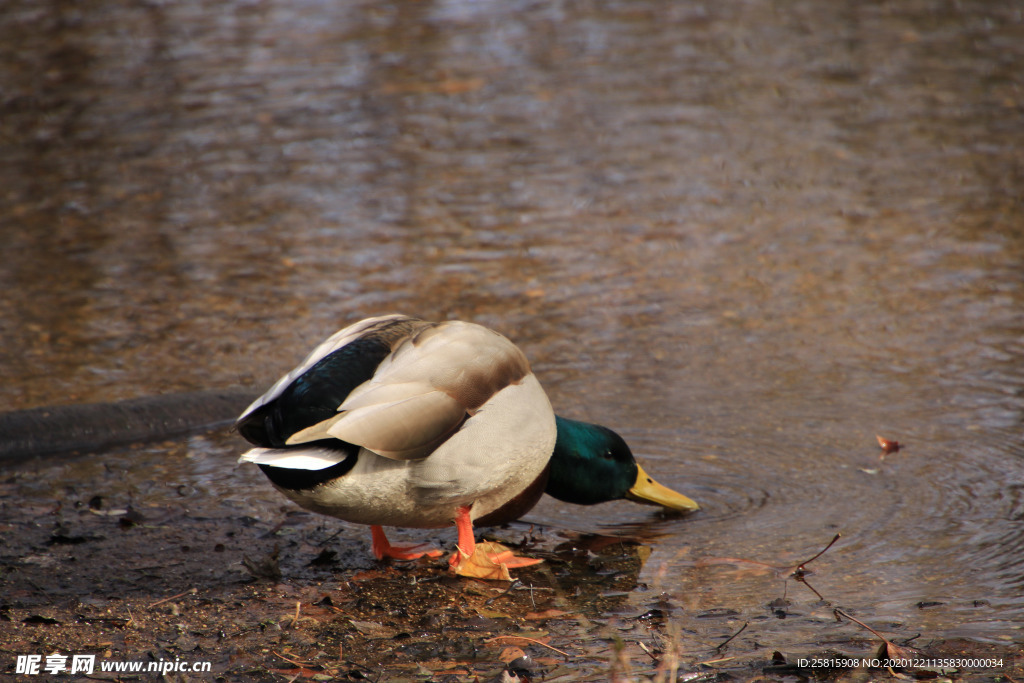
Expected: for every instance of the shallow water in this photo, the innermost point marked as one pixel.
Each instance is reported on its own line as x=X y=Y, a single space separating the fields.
x=749 y=237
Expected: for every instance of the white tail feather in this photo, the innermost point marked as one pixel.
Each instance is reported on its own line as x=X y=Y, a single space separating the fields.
x=293 y=459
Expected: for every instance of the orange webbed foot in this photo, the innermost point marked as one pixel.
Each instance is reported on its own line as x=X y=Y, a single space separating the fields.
x=382 y=548
x=513 y=561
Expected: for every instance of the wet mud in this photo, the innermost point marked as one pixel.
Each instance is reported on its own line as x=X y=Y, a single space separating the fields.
x=178 y=579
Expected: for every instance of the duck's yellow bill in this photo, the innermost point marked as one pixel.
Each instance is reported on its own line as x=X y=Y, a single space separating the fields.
x=646 y=490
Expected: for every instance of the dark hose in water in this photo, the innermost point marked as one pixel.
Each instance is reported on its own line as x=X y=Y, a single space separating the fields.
x=96 y=426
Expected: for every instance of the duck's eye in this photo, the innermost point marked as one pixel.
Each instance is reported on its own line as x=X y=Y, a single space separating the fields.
x=608 y=454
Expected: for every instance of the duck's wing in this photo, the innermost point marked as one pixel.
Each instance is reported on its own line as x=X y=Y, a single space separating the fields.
x=314 y=390
x=423 y=391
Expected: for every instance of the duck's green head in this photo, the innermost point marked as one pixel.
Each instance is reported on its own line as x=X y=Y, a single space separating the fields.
x=592 y=464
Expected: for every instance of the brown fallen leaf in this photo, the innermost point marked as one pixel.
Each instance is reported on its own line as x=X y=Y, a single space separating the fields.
x=511 y=653
x=297 y=673
x=479 y=565
x=457 y=86
x=546 y=614
x=372 y=629
x=446 y=86
x=369 y=575
x=887 y=649
x=542 y=641
x=890 y=650
x=265 y=567
x=888 y=446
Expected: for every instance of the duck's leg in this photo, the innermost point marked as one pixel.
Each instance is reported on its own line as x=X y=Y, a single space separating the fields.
x=466 y=545
x=382 y=548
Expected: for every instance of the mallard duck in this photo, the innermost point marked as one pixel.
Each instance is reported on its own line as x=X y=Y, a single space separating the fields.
x=395 y=421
